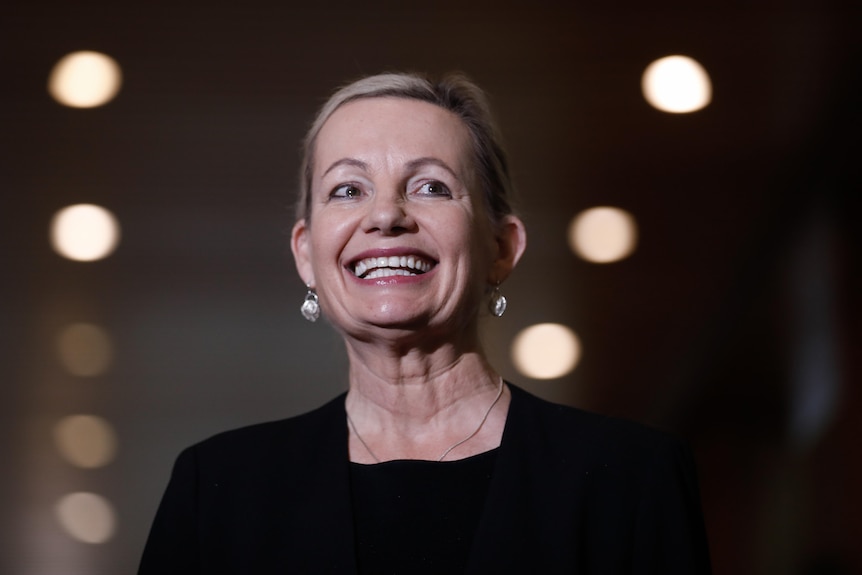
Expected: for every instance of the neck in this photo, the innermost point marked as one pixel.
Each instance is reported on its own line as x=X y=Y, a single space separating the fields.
x=417 y=383
x=417 y=405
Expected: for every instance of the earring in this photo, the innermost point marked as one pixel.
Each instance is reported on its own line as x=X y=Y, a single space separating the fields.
x=498 y=302
x=310 y=306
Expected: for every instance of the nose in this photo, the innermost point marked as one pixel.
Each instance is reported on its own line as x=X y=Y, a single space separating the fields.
x=388 y=214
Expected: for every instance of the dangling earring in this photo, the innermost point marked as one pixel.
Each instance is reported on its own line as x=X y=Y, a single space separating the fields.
x=497 y=303
x=310 y=307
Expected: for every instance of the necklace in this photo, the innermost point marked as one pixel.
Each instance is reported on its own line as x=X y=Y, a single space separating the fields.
x=451 y=447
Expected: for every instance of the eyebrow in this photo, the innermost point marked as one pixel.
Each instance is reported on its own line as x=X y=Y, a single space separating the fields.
x=411 y=165
x=424 y=161
x=347 y=162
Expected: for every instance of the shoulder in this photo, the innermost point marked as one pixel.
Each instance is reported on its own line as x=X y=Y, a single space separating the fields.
x=568 y=420
x=570 y=433
x=285 y=438
x=634 y=486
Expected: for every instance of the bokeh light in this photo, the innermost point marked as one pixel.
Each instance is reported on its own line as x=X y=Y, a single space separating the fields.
x=85 y=349
x=84 y=232
x=86 y=517
x=546 y=351
x=85 y=79
x=676 y=84
x=86 y=441
x=603 y=234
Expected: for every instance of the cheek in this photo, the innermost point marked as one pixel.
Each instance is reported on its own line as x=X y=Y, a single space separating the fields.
x=329 y=236
x=473 y=246
x=483 y=242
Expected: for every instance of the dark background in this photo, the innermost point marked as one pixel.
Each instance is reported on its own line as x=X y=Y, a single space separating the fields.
x=735 y=324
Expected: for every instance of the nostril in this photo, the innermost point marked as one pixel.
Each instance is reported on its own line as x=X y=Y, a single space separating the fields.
x=389 y=218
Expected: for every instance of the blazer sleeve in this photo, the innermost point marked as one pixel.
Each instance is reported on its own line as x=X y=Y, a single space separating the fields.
x=670 y=537
x=173 y=545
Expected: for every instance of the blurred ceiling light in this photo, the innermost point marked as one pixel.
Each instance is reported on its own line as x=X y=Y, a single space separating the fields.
x=676 y=84
x=87 y=517
x=85 y=350
x=603 y=234
x=546 y=351
x=84 y=232
x=85 y=440
x=85 y=79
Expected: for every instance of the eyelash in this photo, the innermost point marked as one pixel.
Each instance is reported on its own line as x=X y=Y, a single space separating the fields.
x=341 y=192
x=444 y=192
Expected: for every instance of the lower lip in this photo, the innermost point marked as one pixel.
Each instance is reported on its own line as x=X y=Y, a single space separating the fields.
x=392 y=280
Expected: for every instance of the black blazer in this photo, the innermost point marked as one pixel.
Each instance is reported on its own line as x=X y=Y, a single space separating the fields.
x=572 y=492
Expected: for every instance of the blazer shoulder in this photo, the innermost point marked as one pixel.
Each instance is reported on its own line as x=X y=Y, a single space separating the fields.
x=567 y=428
x=286 y=436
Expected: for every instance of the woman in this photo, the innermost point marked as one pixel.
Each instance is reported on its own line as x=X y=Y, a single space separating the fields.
x=430 y=463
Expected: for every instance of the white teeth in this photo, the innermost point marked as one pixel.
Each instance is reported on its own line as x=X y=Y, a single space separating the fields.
x=387 y=272
x=389 y=266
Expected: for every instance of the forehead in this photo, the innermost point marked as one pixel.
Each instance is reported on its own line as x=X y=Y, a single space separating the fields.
x=394 y=127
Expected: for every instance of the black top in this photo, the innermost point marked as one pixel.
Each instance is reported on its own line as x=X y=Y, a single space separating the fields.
x=572 y=493
x=418 y=517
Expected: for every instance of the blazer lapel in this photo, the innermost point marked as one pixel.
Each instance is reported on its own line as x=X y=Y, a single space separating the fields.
x=320 y=518
x=497 y=546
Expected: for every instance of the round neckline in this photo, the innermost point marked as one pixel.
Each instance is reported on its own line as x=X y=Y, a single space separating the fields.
x=419 y=462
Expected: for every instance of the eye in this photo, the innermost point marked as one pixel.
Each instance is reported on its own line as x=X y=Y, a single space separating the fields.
x=435 y=189
x=346 y=191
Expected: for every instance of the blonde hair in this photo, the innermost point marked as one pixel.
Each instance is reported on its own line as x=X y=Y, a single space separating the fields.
x=454 y=93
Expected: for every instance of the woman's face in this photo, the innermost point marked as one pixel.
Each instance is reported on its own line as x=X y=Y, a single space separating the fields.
x=397 y=236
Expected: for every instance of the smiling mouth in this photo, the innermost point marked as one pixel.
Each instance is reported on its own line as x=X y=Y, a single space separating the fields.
x=382 y=267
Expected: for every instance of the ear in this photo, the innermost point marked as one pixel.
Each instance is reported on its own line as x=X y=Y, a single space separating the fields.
x=300 y=245
x=511 y=241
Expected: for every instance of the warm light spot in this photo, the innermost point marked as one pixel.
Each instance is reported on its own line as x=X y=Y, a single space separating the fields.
x=546 y=351
x=85 y=440
x=676 y=84
x=85 y=79
x=87 y=517
x=85 y=349
x=603 y=235
x=84 y=232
